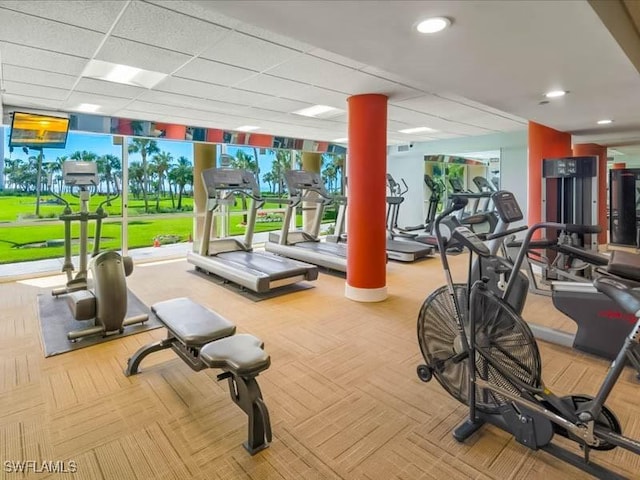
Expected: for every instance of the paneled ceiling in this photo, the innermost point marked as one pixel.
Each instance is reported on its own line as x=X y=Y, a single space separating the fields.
x=255 y=62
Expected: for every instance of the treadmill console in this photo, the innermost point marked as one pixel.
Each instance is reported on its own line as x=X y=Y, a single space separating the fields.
x=80 y=173
x=297 y=180
x=507 y=206
x=229 y=179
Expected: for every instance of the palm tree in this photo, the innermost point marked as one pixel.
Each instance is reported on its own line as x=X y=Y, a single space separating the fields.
x=109 y=165
x=37 y=162
x=268 y=177
x=161 y=163
x=329 y=175
x=246 y=162
x=181 y=175
x=281 y=164
x=136 y=178
x=84 y=156
x=144 y=147
x=56 y=167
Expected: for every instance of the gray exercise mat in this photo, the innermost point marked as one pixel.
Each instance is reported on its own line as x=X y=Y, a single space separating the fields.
x=56 y=321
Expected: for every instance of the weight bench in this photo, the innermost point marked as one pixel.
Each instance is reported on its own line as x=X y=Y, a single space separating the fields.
x=204 y=339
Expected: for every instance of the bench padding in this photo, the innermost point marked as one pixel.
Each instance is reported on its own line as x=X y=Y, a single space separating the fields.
x=241 y=354
x=191 y=323
x=624 y=264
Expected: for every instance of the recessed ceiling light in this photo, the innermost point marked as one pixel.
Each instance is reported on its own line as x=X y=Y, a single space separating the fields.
x=433 y=25
x=340 y=140
x=604 y=122
x=88 y=107
x=247 y=128
x=117 y=73
x=417 y=130
x=555 y=93
x=317 y=111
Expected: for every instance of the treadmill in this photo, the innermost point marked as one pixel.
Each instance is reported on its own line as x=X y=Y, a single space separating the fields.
x=306 y=246
x=233 y=259
x=401 y=245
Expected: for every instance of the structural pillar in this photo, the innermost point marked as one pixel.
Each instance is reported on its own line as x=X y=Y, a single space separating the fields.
x=593 y=149
x=204 y=156
x=544 y=142
x=366 y=207
x=311 y=162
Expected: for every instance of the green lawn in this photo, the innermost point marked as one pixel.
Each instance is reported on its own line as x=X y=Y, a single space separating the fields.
x=27 y=240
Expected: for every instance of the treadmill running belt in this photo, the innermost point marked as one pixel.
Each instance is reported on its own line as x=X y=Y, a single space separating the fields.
x=274 y=266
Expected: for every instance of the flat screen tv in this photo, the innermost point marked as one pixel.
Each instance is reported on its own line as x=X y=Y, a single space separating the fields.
x=38 y=131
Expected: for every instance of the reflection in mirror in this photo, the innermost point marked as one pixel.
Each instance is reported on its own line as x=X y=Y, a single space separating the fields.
x=472 y=171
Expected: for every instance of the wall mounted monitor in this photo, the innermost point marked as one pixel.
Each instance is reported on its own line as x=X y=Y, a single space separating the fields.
x=33 y=130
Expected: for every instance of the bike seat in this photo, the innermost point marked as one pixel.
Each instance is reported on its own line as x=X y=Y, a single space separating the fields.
x=621 y=292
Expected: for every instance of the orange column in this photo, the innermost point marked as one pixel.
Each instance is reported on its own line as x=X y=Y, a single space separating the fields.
x=544 y=142
x=366 y=206
x=593 y=149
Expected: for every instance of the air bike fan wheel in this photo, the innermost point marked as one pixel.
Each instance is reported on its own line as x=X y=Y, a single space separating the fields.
x=501 y=336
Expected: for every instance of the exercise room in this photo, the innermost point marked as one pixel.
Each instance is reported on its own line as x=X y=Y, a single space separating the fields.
x=335 y=240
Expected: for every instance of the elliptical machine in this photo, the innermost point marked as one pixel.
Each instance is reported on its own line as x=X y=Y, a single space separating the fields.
x=486 y=357
x=106 y=302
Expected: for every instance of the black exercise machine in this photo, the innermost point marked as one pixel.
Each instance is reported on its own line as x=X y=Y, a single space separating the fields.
x=483 y=353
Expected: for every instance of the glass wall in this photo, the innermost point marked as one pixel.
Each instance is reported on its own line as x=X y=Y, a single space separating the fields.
x=153 y=179
x=34 y=196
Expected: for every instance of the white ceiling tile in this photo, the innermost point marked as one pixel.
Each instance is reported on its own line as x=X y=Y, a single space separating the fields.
x=27 y=101
x=270 y=85
x=243 y=97
x=30 y=90
x=263 y=114
x=108 y=105
x=494 y=122
x=461 y=129
x=126 y=52
x=448 y=109
x=36 y=58
x=197 y=9
x=88 y=14
x=321 y=96
x=191 y=102
x=91 y=85
x=193 y=88
x=272 y=36
x=38 y=77
x=282 y=105
x=378 y=72
x=153 y=25
x=37 y=32
x=335 y=58
x=248 y=52
x=214 y=72
x=314 y=71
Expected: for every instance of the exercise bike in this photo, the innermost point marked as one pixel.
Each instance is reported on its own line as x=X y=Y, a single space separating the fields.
x=106 y=302
x=486 y=357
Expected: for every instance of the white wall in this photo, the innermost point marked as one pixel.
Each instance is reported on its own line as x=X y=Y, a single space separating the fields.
x=410 y=166
x=513 y=173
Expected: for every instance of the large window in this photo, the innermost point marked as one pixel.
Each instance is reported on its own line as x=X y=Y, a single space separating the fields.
x=153 y=178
